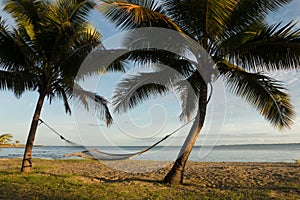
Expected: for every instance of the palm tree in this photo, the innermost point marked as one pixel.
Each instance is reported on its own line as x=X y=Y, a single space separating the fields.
x=5 y=138
x=43 y=52
x=239 y=41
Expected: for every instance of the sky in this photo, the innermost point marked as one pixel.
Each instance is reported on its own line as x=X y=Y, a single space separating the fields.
x=229 y=119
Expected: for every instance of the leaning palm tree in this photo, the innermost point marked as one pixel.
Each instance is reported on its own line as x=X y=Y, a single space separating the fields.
x=235 y=35
x=5 y=138
x=43 y=52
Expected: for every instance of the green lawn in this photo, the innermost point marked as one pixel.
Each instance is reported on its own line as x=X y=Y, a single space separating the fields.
x=49 y=181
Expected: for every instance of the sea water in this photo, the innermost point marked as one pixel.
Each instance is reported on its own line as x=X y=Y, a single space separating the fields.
x=226 y=153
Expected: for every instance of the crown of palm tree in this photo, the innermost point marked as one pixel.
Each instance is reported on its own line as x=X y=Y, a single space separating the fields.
x=45 y=49
x=4 y=138
x=235 y=35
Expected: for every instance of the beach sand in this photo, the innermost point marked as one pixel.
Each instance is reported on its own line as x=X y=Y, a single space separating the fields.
x=211 y=179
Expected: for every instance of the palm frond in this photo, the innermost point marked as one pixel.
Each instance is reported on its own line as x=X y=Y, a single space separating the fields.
x=18 y=82
x=135 y=89
x=158 y=38
x=99 y=103
x=5 y=138
x=77 y=52
x=247 y=12
x=25 y=11
x=270 y=48
x=136 y=13
x=161 y=58
x=265 y=94
x=67 y=26
x=75 y=12
x=200 y=18
x=78 y=96
x=14 y=51
x=189 y=91
x=101 y=60
x=60 y=92
x=117 y=60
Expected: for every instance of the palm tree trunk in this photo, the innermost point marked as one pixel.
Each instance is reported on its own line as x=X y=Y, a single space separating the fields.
x=26 y=163
x=175 y=175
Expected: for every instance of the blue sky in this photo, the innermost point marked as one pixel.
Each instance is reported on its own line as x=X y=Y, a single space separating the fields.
x=238 y=124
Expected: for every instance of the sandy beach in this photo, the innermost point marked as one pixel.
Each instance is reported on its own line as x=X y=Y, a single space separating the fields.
x=86 y=179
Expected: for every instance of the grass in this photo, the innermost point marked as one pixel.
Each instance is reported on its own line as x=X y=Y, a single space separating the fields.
x=49 y=181
x=41 y=186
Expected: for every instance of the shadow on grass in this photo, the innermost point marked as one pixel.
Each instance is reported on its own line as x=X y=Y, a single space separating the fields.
x=295 y=188
x=120 y=180
x=9 y=172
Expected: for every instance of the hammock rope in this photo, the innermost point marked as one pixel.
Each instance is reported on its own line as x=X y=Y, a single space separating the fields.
x=96 y=154
x=57 y=133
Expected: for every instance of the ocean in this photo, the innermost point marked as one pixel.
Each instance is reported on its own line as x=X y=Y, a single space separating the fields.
x=226 y=153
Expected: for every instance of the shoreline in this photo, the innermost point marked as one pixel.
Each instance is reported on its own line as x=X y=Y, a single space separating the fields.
x=288 y=154
x=18 y=146
x=296 y=161
x=12 y=147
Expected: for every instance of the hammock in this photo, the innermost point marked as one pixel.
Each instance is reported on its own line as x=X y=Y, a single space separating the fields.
x=96 y=154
